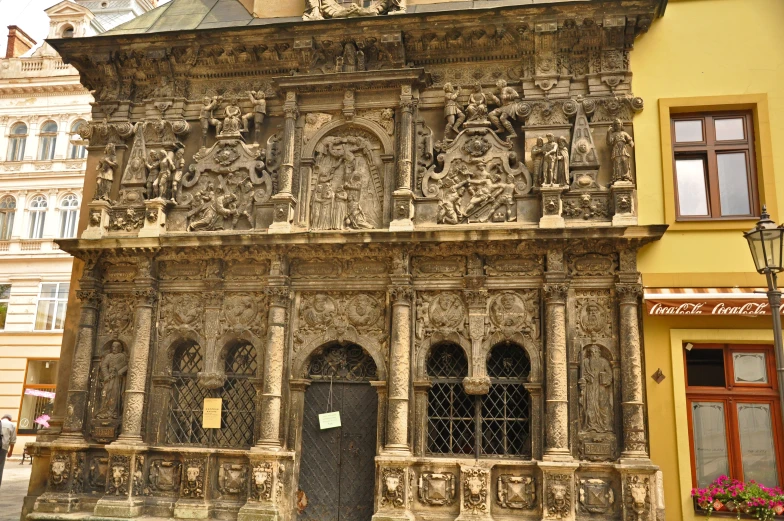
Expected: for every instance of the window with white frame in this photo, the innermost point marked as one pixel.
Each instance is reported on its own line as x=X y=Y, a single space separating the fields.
x=76 y=148
x=7 y=212
x=47 y=141
x=5 y=297
x=16 y=142
x=69 y=210
x=38 y=207
x=52 y=301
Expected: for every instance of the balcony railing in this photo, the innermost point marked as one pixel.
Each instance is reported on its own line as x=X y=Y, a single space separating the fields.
x=28 y=246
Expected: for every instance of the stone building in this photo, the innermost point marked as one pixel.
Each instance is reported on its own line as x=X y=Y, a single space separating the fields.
x=422 y=217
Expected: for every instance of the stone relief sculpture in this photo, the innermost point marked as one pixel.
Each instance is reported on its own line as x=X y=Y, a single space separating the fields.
x=346 y=192
x=207 y=118
x=595 y=496
x=436 y=489
x=477 y=104
x=516 y=492
x=506 y=110
x=453 y=113
x=261 y=485
x=475 y=489
x=259 y=102
x=620 y=143
x=596 y=392
x=321 y=9
x=193 y=479
x=106 y=169
x=392 y=481
x=559 y=497
x=113 y=368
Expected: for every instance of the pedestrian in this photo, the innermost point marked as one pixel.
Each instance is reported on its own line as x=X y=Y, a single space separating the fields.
x=8 y=434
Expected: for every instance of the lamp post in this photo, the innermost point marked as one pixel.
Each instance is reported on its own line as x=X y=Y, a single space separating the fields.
x=766 y=242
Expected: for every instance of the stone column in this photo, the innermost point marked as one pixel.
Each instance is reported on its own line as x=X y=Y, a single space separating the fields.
x=273 y=368
x=76 y=402
x=403 y=197
x=632 y=404
x=399 y=369
x=284 y=200
x=133 y=398
x=556 y=370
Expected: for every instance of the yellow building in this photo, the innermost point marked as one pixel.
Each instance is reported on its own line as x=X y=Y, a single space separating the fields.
x=714 y=64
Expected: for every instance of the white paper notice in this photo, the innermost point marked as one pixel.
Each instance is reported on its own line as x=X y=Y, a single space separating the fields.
x=329 y=420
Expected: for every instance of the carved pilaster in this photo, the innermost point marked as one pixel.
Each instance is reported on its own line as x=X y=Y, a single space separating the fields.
x=76 y=407
x=269 y=484
x=557 y=423
x=403 y=197
x=634 y=439
x=284 y=201
x=279 y=299
x=399 y=369
x=479 y=382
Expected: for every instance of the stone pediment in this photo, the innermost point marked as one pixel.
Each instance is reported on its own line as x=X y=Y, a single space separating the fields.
x=67 y=9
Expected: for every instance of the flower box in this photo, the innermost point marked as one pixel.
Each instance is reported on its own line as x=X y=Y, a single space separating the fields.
x=727 y=497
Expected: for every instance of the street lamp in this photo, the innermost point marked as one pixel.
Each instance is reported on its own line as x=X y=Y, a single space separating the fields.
x=766 y=242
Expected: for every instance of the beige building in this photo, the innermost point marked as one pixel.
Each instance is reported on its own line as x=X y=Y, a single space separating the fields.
x=42 y=166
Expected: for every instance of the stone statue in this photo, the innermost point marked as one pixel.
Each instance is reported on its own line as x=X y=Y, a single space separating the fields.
x=259 y=103
x=453 y=114
x=596 y=389
x=107 y=166
x=321 y=9
x=322 y=207
x=161 y=186
x=114 y=366
x=477 y=104
x=549 y=160
x=620 y=142
x=562 y=176
x=506 y=108
x=179 y=167
x=537 y=155
x=153 y=168
x=206 y=117
x=234 y=122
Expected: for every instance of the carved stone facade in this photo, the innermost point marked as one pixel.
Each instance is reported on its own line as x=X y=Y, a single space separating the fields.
x=429 y=215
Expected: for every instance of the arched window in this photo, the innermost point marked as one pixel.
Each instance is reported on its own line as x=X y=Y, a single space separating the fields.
x=238 y=392
x=7 y=212
x=506 y=409
x=38 y=206
x=76 y=150
x=186 y=398
x=16 y=142
x=69 y=210
x=450 y=411
x=47 y=141
x=67 y=32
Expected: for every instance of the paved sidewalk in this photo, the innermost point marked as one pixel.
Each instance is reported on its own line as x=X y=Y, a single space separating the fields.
x=13 y=489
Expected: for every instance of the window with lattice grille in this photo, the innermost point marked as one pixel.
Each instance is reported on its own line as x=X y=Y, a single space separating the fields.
x=497 y=424
x=238 y=394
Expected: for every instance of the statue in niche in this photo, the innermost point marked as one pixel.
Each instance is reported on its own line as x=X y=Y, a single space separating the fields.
x=620 y=144
x=259 y=102
x=206 y=117
x=596 y=392
x=114 y=366
x=562 y=177
x=179 y=167
x=506 y=108
x=153 y=169
x=537 y=155
x=106 y=168
x=344 y=195
x=549 y=160
x=453 y=113
x=161 y=185
x=477 y=104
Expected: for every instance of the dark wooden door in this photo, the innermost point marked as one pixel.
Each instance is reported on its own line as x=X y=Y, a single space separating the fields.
x=337 y=469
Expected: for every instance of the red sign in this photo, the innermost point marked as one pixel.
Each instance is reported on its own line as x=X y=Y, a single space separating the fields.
x=745 y=306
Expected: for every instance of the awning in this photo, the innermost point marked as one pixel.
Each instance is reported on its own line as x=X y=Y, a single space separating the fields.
x=706 y=301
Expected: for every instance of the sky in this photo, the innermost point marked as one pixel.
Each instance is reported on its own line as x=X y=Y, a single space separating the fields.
x=27 y=14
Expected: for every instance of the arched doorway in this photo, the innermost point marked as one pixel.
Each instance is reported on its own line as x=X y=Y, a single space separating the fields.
x=336 y=477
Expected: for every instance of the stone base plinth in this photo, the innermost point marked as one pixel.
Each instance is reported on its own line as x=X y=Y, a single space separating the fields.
x=403 y=213
x=192 y=509
x=98 y=220
x=552 y=207
x=155 y=217
x=122 y=508
x=623 y=195
x=283 y=213
x=259 y=512
x=557 y=490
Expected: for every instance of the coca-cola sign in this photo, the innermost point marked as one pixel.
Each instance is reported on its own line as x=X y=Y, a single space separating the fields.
x=704 y=306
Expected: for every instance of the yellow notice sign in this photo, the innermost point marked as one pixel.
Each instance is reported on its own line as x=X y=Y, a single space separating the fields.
x=211 y=418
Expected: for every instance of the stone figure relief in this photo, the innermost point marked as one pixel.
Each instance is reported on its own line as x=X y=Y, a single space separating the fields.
x=507 y=109
x=259 y=101
x=620 y=143
x=436 y=489
x=138 y=485
x=475 y=489
x=453 y=113
x=117 y=481
x=346 y=183
x=116 y=319
x=592 y=318
x=105 y=172
x=59 y=471
x=476 y=111
x=392 y=483
x=232 y=480
x=207 y=117
x=340 y=315
x=181 y=312
x=559 y=497
x=261 y=484
x=321 y=9
x=595 y=495
x=97 y=474
x=193 y=479
x=112 y=371
x=440 y=312
x=516 y=492
x=513 y=312
x=638 y=500
x=596 y=391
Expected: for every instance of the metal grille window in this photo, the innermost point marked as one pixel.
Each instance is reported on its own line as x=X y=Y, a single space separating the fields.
x=238 y=393
x=496 y=424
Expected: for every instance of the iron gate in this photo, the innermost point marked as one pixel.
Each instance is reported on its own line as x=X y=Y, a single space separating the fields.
x=337 y=469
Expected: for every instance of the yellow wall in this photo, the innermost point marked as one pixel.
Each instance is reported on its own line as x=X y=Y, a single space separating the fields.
x=704 y=48
x=702 y=52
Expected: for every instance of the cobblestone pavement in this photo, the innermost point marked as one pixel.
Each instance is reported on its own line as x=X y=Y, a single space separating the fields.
x=13 y=489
